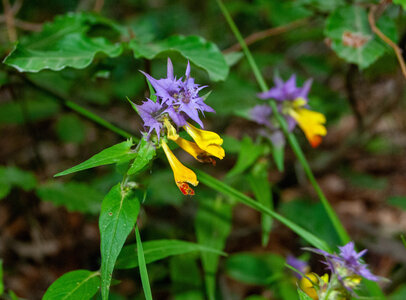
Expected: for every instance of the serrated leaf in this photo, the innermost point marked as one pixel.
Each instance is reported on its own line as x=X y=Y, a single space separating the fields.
x=70 y=129
x=145 y=153
x=75 y=196
x=202 y=53
x=79 y=284
x=115 y=154
x=352 y=38
x=213 y=225
x=118 y=215
x=249 y=153
x=157 y=250
x=62 y=43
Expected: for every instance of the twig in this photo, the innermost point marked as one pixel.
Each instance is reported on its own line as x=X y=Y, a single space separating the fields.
x=28 y=26
x=378 y=32
x=9 y=18
x=98 y=5
x=257 y=36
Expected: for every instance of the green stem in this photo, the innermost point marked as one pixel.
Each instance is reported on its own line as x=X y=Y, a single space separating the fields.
x=342 y=233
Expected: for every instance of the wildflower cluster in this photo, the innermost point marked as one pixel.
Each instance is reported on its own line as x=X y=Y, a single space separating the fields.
x=177 y=101
x=292 y=103
x=346 y=272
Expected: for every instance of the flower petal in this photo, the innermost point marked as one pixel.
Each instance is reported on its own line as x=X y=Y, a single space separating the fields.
x=312 y=124
x=206 y=140
x=182 y=174
x=194 y=150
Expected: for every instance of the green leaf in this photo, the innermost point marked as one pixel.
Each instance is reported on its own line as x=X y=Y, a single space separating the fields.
x=303 y=295
x=352 y=38
x=143 y=267
x=118 y=153
x=202 y=53
x=249 y=153
x=12 y=176
x=1 y=278
x=278 y=153
x=400 y=2
x=398 y=201
x=12 y=295
x=259 y=269
x=79 y=284
x=75 y=196
x=36 y=110
x=145 y=153
x=70 y=129
x=157 y=250
x=118 y=215
x=213 y=225
x=262 y=190
x=62 y=43
x=185 y=276
x=229 y=191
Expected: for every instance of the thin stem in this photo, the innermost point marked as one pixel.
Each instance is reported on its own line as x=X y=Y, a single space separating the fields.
x=342 y=233
x=79 y=109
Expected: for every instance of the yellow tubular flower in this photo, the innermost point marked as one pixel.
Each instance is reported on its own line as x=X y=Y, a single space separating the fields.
x=182 y=174
x=311 y=122
x=307 y=285
x=206 y=140
x=194 y=150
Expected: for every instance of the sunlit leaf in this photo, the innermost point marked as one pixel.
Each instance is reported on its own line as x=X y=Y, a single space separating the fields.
x=75 y=196
x=157 y=250
x=352 y=38
x=62 y=43
x=213 y=225
x=145 y=153
x=118 y=215
x=202 y=53
x=115 y=154
x=79 y=284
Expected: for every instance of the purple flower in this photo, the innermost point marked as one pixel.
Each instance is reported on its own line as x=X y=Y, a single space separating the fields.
x=298 y=265
x=287 y=91
x=181 y=97
x=347 y=262
x=151 y=113
x=261 y=114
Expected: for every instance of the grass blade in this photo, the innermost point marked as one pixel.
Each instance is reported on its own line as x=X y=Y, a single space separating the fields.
x=143 y=267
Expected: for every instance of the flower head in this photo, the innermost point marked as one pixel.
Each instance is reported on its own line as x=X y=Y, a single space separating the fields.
x=181 y=96
x=178 y=101
x=287 y=91
x=261 y=114
x=293 y=104
x=347 y=265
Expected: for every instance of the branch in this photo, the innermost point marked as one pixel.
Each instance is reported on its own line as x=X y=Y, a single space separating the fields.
x=9 y=19
x=257 y=36
x=378 y=32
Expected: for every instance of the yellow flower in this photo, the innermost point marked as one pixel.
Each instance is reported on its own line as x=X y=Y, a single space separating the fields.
x=307 y=284
x=206 y=140
x=182 y=175
x=207 y=145
x=311 y=122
